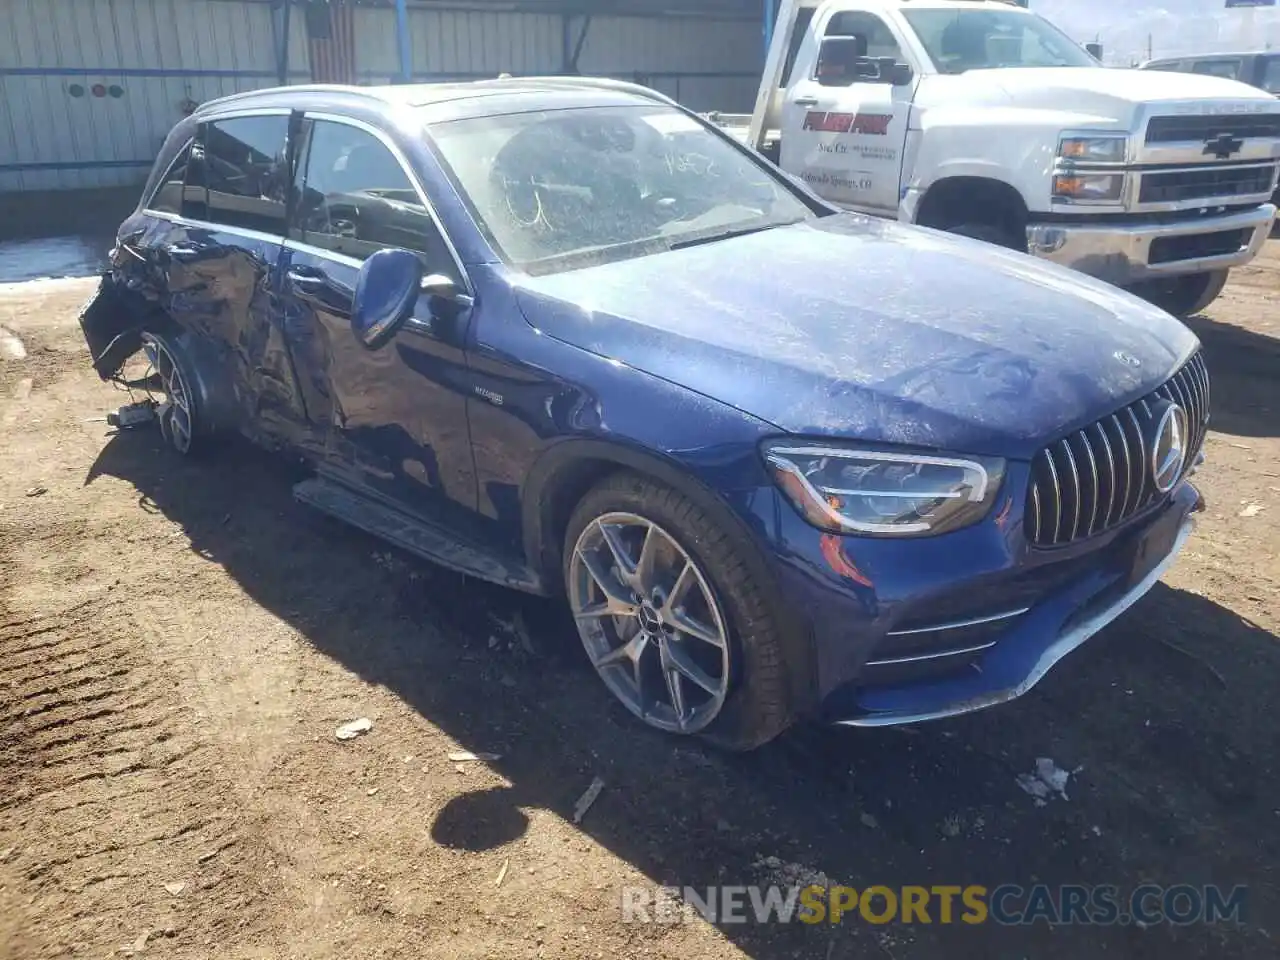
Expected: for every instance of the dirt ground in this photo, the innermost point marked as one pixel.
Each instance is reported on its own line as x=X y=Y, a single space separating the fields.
x=179 y=642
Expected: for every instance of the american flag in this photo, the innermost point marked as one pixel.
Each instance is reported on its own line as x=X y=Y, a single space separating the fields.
x=331 y=41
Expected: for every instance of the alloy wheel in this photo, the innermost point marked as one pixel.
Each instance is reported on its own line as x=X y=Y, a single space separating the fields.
x=175 y=411
x=650 y=622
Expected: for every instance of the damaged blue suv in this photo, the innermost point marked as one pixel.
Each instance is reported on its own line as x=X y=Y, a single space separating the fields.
x=782 y=462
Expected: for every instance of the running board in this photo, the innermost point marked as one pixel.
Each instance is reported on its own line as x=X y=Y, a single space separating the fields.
x=417 y=535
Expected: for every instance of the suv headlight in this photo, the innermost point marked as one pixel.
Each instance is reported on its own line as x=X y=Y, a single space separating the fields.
x=1109 y=148
x=883 y=492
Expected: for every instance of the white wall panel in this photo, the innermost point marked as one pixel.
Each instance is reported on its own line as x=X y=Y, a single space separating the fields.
x=160 y=52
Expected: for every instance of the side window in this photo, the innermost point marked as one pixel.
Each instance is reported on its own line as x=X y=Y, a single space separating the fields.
x=169 y=192
x=355 y=199
x=880 y=40
x=243 y=161
x=1217 y=68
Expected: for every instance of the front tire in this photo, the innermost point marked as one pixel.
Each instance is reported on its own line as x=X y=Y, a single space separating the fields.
x=1183 y=296
x=670 y=617
x=998 y=234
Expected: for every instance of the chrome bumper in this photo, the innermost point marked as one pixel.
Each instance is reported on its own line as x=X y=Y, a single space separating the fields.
x=1121 y=253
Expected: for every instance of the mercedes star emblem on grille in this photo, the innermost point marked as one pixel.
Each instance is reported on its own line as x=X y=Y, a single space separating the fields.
x=1168 y=447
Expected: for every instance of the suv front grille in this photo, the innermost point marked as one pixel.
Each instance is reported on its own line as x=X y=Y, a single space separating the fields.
x=1099 y=477
x=1210 y=182
x=1181 y=129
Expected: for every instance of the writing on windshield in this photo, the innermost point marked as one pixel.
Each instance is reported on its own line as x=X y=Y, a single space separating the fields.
x=960 y=40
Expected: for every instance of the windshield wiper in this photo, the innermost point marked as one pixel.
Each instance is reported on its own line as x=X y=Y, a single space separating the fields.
x=727 y=235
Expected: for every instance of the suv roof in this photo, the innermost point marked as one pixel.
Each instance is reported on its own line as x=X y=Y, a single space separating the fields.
x=545 y=91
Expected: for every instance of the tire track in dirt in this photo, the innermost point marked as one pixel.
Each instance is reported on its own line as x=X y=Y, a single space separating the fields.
x=116 y=823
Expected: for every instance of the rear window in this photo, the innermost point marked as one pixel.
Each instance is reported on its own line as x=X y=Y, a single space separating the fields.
x=1271 y=75
x=1230 y=69
x=243 y=167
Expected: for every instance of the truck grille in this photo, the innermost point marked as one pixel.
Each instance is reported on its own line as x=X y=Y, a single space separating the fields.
x=1181 y=129
x=1099 y=477
x=1209 y=182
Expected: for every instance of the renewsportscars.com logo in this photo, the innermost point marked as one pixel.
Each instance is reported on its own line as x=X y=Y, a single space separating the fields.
x=1007 y=904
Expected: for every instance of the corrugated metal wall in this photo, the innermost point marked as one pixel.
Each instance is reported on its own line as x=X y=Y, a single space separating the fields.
x=146 y=57
x=155 y=53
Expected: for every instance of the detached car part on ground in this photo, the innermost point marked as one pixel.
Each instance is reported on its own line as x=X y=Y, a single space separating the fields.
x=983 y=119
x=783 y=462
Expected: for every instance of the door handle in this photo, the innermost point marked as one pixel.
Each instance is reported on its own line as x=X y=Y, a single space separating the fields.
x=805 y=101
x=307 y=278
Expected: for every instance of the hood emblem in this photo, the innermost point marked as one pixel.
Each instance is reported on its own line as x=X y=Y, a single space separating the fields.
x=1169 y=447
x=1128 y=359
x=1223 y=146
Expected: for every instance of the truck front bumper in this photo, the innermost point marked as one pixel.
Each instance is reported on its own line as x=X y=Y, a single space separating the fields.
x=1125 y=253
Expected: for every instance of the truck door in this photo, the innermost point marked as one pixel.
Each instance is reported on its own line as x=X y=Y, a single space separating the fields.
x=843 y=133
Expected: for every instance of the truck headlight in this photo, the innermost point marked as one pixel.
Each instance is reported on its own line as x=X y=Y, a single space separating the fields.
x=1096 y=187
x=1100 y=149
x=884 y=492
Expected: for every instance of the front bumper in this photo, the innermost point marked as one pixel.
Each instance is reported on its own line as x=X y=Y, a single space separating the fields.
x=919 y=629
x=1132 y=252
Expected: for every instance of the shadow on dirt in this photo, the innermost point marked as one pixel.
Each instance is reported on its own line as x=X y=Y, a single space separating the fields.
x=1165 y=721
x=1244 y=370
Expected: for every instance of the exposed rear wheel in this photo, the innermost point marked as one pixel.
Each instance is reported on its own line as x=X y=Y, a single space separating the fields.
x=669 y=616
x=179 y=412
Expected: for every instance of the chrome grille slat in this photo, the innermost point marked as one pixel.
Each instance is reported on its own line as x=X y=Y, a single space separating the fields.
x=1036 y=522
x=1097 y=488
x=1142 y=454
x=1099 y=477
x=1076 y=492
x=1111 y=473
x=1128 y=465
x=1057 y=497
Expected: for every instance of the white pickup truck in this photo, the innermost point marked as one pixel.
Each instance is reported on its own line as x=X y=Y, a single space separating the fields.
x=982 y=118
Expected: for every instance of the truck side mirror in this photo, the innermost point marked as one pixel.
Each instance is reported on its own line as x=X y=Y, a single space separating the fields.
x=838 y=60
x=1094 y=50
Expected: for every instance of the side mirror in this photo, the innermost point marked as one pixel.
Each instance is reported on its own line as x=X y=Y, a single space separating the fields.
x=837 y=60
x=386 y=291
x=1094 y=49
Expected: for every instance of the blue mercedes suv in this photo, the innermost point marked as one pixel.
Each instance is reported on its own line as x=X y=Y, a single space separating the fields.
x=781 y=461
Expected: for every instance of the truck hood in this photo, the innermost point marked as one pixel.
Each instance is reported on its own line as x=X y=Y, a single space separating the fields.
x=1101 y=93
x=850 y=327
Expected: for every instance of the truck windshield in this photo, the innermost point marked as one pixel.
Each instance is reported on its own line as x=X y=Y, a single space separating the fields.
x=561 y=189
x=960 y=40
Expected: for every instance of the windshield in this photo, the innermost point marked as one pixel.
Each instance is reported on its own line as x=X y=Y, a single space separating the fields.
x=562 y=189
x=960 y=40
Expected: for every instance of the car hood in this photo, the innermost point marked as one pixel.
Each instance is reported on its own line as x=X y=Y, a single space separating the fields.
x=852 y=327
x=1114 y=95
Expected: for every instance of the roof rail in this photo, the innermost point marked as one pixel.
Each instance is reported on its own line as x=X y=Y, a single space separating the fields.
x=296 y=88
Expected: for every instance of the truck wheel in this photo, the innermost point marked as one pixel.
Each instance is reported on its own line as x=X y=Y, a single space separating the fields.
x=1001 y=236
x=1183 y=296
x=670 y=617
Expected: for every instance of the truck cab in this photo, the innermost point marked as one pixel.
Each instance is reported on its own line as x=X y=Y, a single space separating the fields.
x=982 y=118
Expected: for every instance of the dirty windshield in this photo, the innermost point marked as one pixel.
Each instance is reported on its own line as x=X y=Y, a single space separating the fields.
x=562 y=189
x=960 y=40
